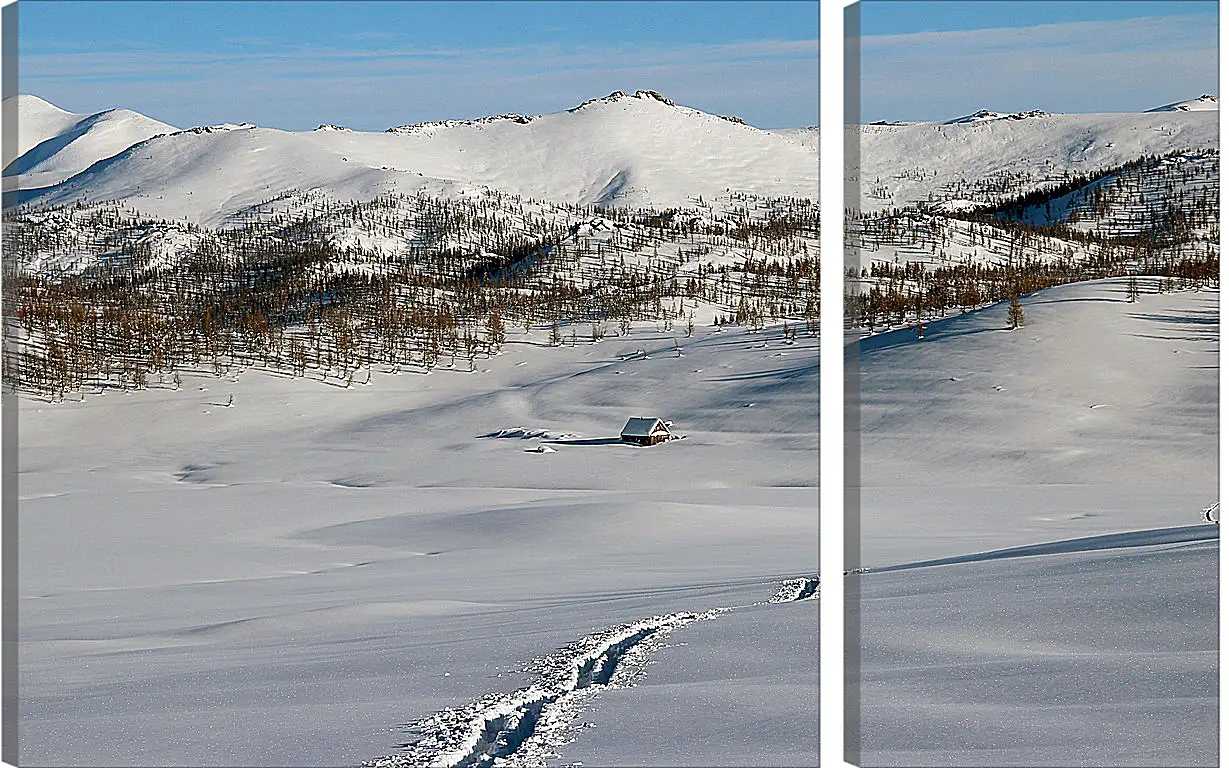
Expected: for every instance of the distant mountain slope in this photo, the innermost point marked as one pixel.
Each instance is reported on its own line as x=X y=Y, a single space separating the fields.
x=54 y=144
x=39 y=120
x=208 y=175
x=1204 y=103
x=807 y=137
x=998 y=156
x=624 y=150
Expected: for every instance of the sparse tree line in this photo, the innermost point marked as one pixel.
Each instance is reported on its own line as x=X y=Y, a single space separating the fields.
x=1155 y=201
x=987 y=189
x=1155 y=216
x=278 y=291
x=899 y=295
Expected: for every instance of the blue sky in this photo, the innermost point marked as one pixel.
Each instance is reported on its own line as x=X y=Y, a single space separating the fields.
x=372 y=65
x=938 y=59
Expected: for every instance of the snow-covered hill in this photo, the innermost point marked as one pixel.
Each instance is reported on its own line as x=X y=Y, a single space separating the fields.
x=54 y=144
x=1086 y=438
x=1059 y=401
x=622 y=150
x=207 y=175
x=990 y=154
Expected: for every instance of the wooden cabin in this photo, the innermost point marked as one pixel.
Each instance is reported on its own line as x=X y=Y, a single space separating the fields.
x=645 y=431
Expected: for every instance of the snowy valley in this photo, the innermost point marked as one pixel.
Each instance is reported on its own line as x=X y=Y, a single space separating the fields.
x=320 y=458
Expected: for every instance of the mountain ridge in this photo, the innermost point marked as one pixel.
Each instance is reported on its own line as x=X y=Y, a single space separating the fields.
x=638 y=150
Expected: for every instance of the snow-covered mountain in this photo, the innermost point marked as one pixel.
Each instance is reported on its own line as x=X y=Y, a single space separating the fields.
x=994 y=153
x=54 y=144
x=640 y=149
x=206 y=175
x=623 y=150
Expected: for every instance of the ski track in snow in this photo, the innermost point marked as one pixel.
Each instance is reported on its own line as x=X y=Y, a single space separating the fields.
x=523 y=728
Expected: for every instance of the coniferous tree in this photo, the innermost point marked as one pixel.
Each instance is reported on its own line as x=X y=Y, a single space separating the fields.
x=495 y=332
x=1015 y=314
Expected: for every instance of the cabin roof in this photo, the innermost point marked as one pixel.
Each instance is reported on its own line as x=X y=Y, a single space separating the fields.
x=640 y=426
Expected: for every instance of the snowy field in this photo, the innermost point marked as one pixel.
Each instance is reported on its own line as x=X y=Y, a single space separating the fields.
x=260 y=570
x=1085 y=444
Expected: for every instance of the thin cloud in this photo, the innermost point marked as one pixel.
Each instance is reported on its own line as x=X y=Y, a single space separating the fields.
x=1122 y=32
x=131 y=64
x=1094 y=66
x=773 y=83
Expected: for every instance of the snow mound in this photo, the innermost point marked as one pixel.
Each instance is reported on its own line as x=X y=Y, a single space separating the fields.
x=976 y=644
x=793 y=590
x=433 y=126
x=986 y=115
x=219 y=128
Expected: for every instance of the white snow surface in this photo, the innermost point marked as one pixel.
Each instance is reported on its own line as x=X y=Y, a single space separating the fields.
x=259 y=570
x=808 y=137
x=1100 y=656
x=626 y=150
x=1086 y=439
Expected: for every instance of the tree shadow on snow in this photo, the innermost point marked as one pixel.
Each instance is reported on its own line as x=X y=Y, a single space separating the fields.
x=1197 y=327
x=778 y=373
x=1078 y=298
x=907 y=337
